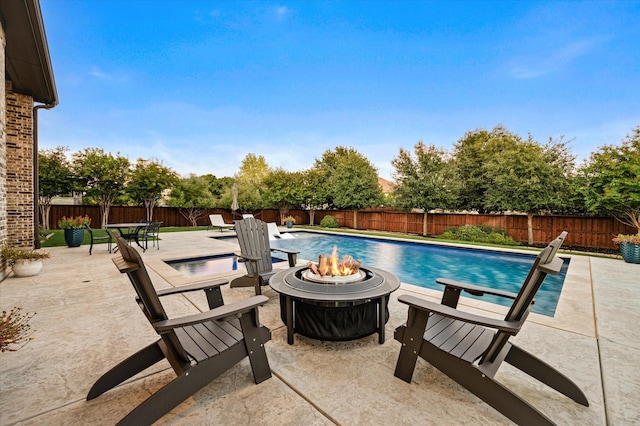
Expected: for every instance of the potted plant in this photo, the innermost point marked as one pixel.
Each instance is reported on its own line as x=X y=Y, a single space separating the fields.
x=629 y=247
x=74 y=229
x=24 y=262
x=14 y=330
x=289 y=221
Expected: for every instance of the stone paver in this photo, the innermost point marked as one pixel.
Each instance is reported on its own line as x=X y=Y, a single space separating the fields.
x=87 y=321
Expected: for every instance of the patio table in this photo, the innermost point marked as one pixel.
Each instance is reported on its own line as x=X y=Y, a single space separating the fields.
x=129 y=231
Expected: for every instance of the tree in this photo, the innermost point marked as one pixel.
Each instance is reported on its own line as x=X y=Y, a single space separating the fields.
x=149 y=179
x=55 y=178
x=283 y=190
x=611 y=180
x=102 y=176
x=313 y=195
x=528 y=177
x=472 y=152
x=351 y=181
x=192 y=196
x=253 y=170
x=219 y=186
x=426 y=181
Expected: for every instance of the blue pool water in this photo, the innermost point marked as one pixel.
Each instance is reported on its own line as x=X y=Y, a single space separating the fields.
x=421 y=264
x=209 y=265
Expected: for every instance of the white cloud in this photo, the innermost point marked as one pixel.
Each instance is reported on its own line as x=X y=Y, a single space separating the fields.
x=104 y=76
x=535 y=65
x=282 y=12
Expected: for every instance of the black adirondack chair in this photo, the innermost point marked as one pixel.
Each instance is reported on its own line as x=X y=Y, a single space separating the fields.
x=255 y=251
x=199 y=347
x=466 y=348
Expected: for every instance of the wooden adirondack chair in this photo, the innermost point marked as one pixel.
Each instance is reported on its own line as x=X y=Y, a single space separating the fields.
x=464 y=347
x=255 y=251
x=199 y=347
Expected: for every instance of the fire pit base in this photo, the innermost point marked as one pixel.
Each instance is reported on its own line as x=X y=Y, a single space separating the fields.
x=334 y=311
x=336 y=321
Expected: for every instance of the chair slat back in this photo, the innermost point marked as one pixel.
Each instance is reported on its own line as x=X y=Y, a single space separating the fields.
x=253 y=238
x=141 y=282
x=519 y=311
x=216 y=219
x=522 y=305
x=150 y=302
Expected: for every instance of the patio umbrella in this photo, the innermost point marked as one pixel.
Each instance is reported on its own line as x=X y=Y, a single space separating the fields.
x=234 y=191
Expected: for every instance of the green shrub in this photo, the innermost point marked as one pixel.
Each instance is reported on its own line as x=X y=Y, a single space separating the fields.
x=329 y=222
x=479 y=234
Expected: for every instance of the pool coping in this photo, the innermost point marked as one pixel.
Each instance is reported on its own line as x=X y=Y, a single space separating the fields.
x=574 y=311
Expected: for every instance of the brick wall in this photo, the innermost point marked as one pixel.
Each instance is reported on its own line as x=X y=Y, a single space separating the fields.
x=19 y=168
x=3 y=153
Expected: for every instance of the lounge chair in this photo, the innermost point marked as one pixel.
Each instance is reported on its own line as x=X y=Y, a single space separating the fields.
x=218 y=222
x=199 y=347
x=463 y=346
x=95 y=238
x=255 y=251
x=274 y=232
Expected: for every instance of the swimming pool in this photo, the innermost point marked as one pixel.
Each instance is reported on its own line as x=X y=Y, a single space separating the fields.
x=209 y=265
x=421 y=264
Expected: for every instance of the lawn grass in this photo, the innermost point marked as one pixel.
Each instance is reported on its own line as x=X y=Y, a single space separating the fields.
x=57 y=239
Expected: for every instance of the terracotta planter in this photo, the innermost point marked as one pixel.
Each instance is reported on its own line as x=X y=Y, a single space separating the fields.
x=630 y=252
x=26 y=267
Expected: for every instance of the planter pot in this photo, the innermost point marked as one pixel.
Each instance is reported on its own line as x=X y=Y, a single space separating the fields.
x=630 y=252
x=289 y=224
x=73 y=237
x=26 y=267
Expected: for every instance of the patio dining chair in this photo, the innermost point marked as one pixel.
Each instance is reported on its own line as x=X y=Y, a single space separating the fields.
x=470 y=348
x=199 y=347
x=151 y=231
x=95 y=238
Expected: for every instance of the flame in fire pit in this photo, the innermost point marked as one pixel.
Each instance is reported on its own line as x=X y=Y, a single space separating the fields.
x=333 y=267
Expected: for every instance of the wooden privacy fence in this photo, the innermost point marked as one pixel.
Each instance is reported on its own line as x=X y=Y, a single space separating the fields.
x=584 y=232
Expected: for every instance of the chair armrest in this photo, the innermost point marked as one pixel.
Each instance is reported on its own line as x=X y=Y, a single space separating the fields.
x=223 y=312
x=124 y=266
x=476 y=290
x=553 y=267
x=192 y=287
x=424 y=305
x=244 y=258
x=292 y=255
x=287 y=251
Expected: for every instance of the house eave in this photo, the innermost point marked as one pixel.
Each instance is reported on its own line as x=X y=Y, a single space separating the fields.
x=28 y=63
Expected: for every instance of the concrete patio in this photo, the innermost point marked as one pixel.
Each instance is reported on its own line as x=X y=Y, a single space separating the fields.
x=87 y=321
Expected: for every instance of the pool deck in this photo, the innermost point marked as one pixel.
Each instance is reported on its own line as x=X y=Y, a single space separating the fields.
x=87 y=321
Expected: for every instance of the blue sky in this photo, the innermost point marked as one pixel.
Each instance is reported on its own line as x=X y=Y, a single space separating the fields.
x=200 y=84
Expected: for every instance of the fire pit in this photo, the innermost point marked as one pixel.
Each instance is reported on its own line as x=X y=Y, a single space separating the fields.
x=334 y=307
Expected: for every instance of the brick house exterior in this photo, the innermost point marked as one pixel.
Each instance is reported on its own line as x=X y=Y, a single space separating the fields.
x=28 y=79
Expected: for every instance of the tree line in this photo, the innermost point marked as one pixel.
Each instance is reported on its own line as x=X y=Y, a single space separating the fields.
x=486 y=171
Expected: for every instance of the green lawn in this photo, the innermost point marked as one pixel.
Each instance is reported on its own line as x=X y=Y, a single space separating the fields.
x=57 y=239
